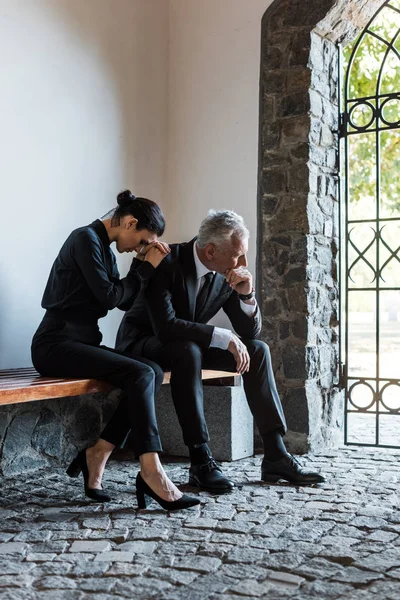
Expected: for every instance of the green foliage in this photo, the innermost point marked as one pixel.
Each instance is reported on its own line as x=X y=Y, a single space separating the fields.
x=374 y=71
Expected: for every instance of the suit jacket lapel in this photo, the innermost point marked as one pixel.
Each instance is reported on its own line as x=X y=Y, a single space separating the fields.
x=189 y=276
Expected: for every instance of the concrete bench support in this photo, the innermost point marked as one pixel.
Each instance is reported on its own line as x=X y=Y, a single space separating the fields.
x=229 y=420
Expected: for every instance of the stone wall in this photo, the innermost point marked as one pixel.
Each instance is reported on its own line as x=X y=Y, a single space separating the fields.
x=50 y=432
x=298 y=212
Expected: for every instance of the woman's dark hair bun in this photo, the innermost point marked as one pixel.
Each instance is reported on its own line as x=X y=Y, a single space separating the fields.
x=147 y=213
x=125 y=198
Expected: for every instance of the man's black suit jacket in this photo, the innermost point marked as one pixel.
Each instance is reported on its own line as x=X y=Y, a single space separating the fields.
x=165 y=308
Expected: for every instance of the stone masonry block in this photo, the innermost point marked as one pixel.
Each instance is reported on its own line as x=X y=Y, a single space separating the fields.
x=229 y=421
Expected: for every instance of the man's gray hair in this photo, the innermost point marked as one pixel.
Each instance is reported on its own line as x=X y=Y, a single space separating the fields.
x=220 y=226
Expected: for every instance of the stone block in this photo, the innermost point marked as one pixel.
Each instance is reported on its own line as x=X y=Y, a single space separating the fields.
x=138 y=547
x=294 y=104
x=294 y=361
x=296 y=129
x=115 y=556
x=269 y=205
x=273 y=181
x=84 y=546
x=47 y=435
x=13 y=548
x=229 y=421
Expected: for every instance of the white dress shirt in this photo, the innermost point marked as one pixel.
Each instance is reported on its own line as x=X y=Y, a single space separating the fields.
x=221 y=337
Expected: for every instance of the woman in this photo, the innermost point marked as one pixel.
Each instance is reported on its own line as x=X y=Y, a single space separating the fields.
x=83 y=285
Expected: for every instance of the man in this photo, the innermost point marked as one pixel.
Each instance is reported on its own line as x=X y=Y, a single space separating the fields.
x=168 y=324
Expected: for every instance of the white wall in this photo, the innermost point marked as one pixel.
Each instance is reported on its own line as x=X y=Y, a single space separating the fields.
x=97 y=95
x=214 y=72
x=82 y=116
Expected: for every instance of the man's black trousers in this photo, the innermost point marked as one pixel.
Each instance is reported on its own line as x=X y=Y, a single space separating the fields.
x=186 y=359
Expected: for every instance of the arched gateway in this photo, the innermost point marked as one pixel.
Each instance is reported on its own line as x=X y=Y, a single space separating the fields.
x=298 y=207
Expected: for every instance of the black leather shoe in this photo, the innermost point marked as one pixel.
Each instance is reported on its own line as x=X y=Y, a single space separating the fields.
x=209 y=477
x=290 y=469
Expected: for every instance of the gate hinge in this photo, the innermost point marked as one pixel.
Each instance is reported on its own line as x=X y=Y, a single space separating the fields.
x=342 y=131
x=342 y=376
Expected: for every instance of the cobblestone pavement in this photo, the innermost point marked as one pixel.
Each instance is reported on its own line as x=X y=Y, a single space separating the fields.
x=338 y=540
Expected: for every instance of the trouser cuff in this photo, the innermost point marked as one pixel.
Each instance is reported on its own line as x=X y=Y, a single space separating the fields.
x=150 y=444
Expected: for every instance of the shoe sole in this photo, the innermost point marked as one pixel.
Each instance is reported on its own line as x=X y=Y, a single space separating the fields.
x=196 y=484
x=276 y=478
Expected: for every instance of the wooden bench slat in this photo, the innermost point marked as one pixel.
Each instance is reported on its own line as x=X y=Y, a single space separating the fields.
x=18 y=369
x=16 y=374
x=30 y=384
x=23 y=380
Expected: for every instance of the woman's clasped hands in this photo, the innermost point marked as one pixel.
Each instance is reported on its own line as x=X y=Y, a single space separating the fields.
x=154 y=252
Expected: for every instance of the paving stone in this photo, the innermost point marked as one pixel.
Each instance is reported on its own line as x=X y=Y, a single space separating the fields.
x=115 y=556
x=251 y=588
x=143 y=588
x=56 y=583
x=283 y=560
x=155 y=560
x=326 y=589
x=51 y=568
x=124 y=569
x=92 y=547
x=74 y=557
x=383 y=536
x=285 y=579
x=368 y=522
x=204 y=586
x=202 y=564
x=356 y=576
x=71 y=535
x=149 y=533
x=218 y=550
x=245 y=555
x=272 y=544
x=394 y=573
x=13 y=548
x=235 y=527
x=244 y=571
x=17 y=581
x=50 y=546
x=38 y=557
x=139 y=547
x=98 y=523
x=12 y=567
x=174 y=576
x=192 y=535
x=233 y=539
x=201 y=523
x=32 y=536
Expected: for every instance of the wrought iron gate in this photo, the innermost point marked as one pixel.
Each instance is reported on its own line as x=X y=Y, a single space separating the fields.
x=370 y=231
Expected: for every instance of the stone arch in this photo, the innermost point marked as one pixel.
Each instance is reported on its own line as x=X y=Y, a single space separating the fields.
x=298 y=211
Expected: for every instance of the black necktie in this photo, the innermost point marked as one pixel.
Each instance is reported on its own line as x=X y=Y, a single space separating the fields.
x=202 y=296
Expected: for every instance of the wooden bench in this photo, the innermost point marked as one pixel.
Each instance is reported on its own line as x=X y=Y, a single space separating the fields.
x=26 y=385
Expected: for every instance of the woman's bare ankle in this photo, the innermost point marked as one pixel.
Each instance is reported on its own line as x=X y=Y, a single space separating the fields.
x=100 y=451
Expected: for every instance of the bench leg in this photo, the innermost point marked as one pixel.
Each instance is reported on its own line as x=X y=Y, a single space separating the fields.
x=229 y=421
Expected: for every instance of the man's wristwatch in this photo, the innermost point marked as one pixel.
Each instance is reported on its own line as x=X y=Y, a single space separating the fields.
x=248 y=296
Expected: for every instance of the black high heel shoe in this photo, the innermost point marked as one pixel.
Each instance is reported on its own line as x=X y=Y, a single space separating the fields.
x=79 y=465
x=143 y=490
